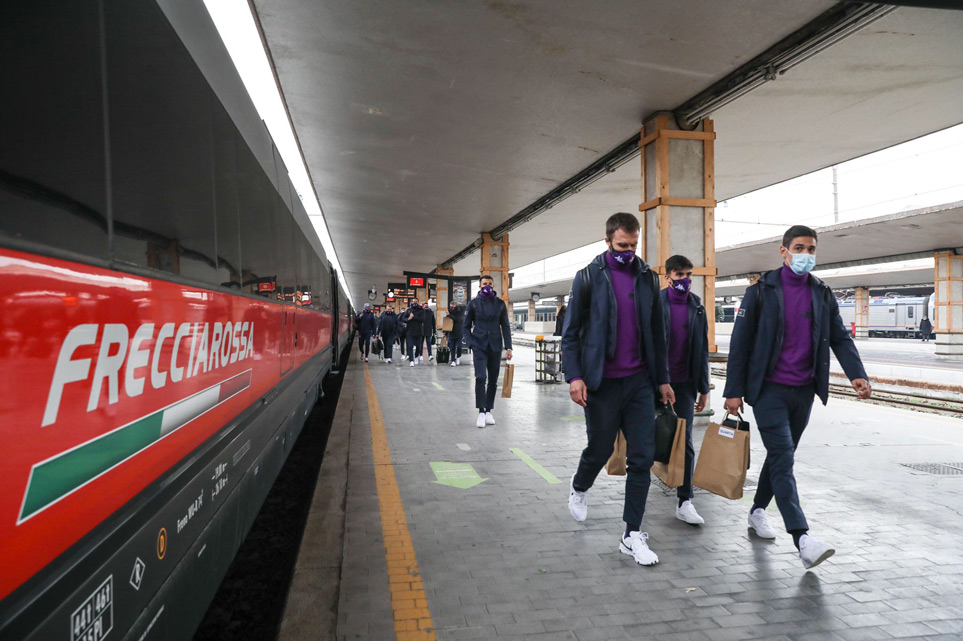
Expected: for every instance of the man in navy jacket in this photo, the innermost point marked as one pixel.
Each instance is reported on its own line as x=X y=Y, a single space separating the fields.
x=778 y=363
x=367 y=327
x=388 y=330
x=486 y=326
x=687 y=345
x=613 y=347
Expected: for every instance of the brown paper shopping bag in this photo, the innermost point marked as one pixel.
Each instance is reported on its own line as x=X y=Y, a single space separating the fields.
x=673 y=472
x=508 y=380
x=721 y=467
x=616 y=463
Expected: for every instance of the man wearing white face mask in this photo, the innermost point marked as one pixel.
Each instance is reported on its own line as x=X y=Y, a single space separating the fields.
x=778 y=362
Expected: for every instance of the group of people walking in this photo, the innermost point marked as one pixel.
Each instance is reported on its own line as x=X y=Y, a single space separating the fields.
x=628 y=345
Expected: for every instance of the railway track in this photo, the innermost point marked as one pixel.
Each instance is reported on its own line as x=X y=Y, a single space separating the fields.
x=911 y=400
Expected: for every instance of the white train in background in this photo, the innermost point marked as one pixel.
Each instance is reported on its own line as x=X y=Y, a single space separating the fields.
x=889 y=316
x=892 y=316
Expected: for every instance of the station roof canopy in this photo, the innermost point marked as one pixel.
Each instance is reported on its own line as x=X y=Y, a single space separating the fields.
x=424 y=124
x=902 y=236
x=893 y=238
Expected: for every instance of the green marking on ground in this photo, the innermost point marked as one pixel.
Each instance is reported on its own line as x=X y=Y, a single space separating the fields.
x=438 y=386
x=574 y=419
x=460 y=475
x=532 y=463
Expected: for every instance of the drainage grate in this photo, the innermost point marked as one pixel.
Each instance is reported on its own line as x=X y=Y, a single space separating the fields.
x=938 y=469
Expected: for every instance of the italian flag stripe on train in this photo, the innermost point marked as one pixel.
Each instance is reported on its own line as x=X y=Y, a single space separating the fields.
x=55 y=478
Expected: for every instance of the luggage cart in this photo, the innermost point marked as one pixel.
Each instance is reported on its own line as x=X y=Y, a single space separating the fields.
x=548 y=359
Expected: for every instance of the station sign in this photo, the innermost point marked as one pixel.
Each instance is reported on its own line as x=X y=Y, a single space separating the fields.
x=416 y=281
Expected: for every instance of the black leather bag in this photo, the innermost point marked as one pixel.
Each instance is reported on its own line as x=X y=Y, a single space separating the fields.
x=665 y=425
x=737 y=423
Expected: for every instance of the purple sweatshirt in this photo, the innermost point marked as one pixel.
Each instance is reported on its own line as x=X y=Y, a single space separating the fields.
x=795 y=365
x=628 y=359
x=678 y=336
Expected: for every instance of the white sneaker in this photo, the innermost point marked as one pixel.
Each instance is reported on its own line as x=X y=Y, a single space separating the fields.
x=365 y=359
x=452 y=364
x=489 y=419
x=457 y=361
x=411 y=363
x=687 y=513
x=481 y=420
x=636 y=545
x=577 y=502
x=759 y=522
x=387 y=360
x=812 y=552
x=431 y=357
x=421 y=359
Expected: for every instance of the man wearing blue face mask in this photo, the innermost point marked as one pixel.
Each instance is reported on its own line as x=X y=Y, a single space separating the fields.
x=486 y=329
x=687 y=341
x=778 y=362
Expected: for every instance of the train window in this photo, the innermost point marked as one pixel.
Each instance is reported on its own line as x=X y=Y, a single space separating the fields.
x=160 y=142
x=909 y=311
x=256 y=208
x=52 y=161
x=225 y=198
x=285 y=252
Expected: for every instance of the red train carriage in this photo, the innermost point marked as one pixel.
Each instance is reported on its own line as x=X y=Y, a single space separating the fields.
x=167 y=315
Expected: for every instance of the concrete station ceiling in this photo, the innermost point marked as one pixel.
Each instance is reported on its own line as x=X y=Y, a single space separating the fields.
x=425 y=123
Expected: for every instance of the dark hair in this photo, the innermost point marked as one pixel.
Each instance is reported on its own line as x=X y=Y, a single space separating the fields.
x=484 y=276
x=677 y=262
x=626 y=222
x=795 y=232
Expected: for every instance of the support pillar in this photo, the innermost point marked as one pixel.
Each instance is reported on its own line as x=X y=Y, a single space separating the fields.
x=443 y=296
x=948 y=301
x=678 y=208
x=861 y=308
x=531 y=311
x=494 y=262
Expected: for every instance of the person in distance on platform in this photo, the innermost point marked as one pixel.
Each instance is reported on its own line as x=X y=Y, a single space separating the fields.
x=925 y=328
x=457 y=316
x=687 y=341
x=415 y=320
x=559 y=321
x=486 y=328
x=613 y=347
x=428 y=323
x=778 y=363
x=367 y=327
x=387 y=329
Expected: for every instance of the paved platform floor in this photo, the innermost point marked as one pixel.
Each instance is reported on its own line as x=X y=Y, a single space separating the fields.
x=503 y=559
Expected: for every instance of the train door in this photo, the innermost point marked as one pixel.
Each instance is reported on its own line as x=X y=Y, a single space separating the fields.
x=288 y=338
x=335 y=317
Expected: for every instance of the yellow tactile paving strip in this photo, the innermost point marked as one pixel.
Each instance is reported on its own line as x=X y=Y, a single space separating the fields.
x=408 y=601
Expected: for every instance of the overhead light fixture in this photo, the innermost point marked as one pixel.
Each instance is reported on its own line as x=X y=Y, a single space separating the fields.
x=832 y=26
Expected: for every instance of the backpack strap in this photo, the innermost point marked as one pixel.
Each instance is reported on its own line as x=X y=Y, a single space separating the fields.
x=585 y=295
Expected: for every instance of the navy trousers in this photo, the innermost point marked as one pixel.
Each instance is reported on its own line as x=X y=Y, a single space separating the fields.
x=626 y=404
x=414 y=347
x=364 y=344
x=389 y=341
x=782 y=413
x=685 y=397
x=486 y=370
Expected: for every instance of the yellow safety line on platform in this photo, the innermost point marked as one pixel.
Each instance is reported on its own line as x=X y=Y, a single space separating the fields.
x=408 y=601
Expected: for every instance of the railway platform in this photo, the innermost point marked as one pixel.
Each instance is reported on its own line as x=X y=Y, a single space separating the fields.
x=454 y=532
